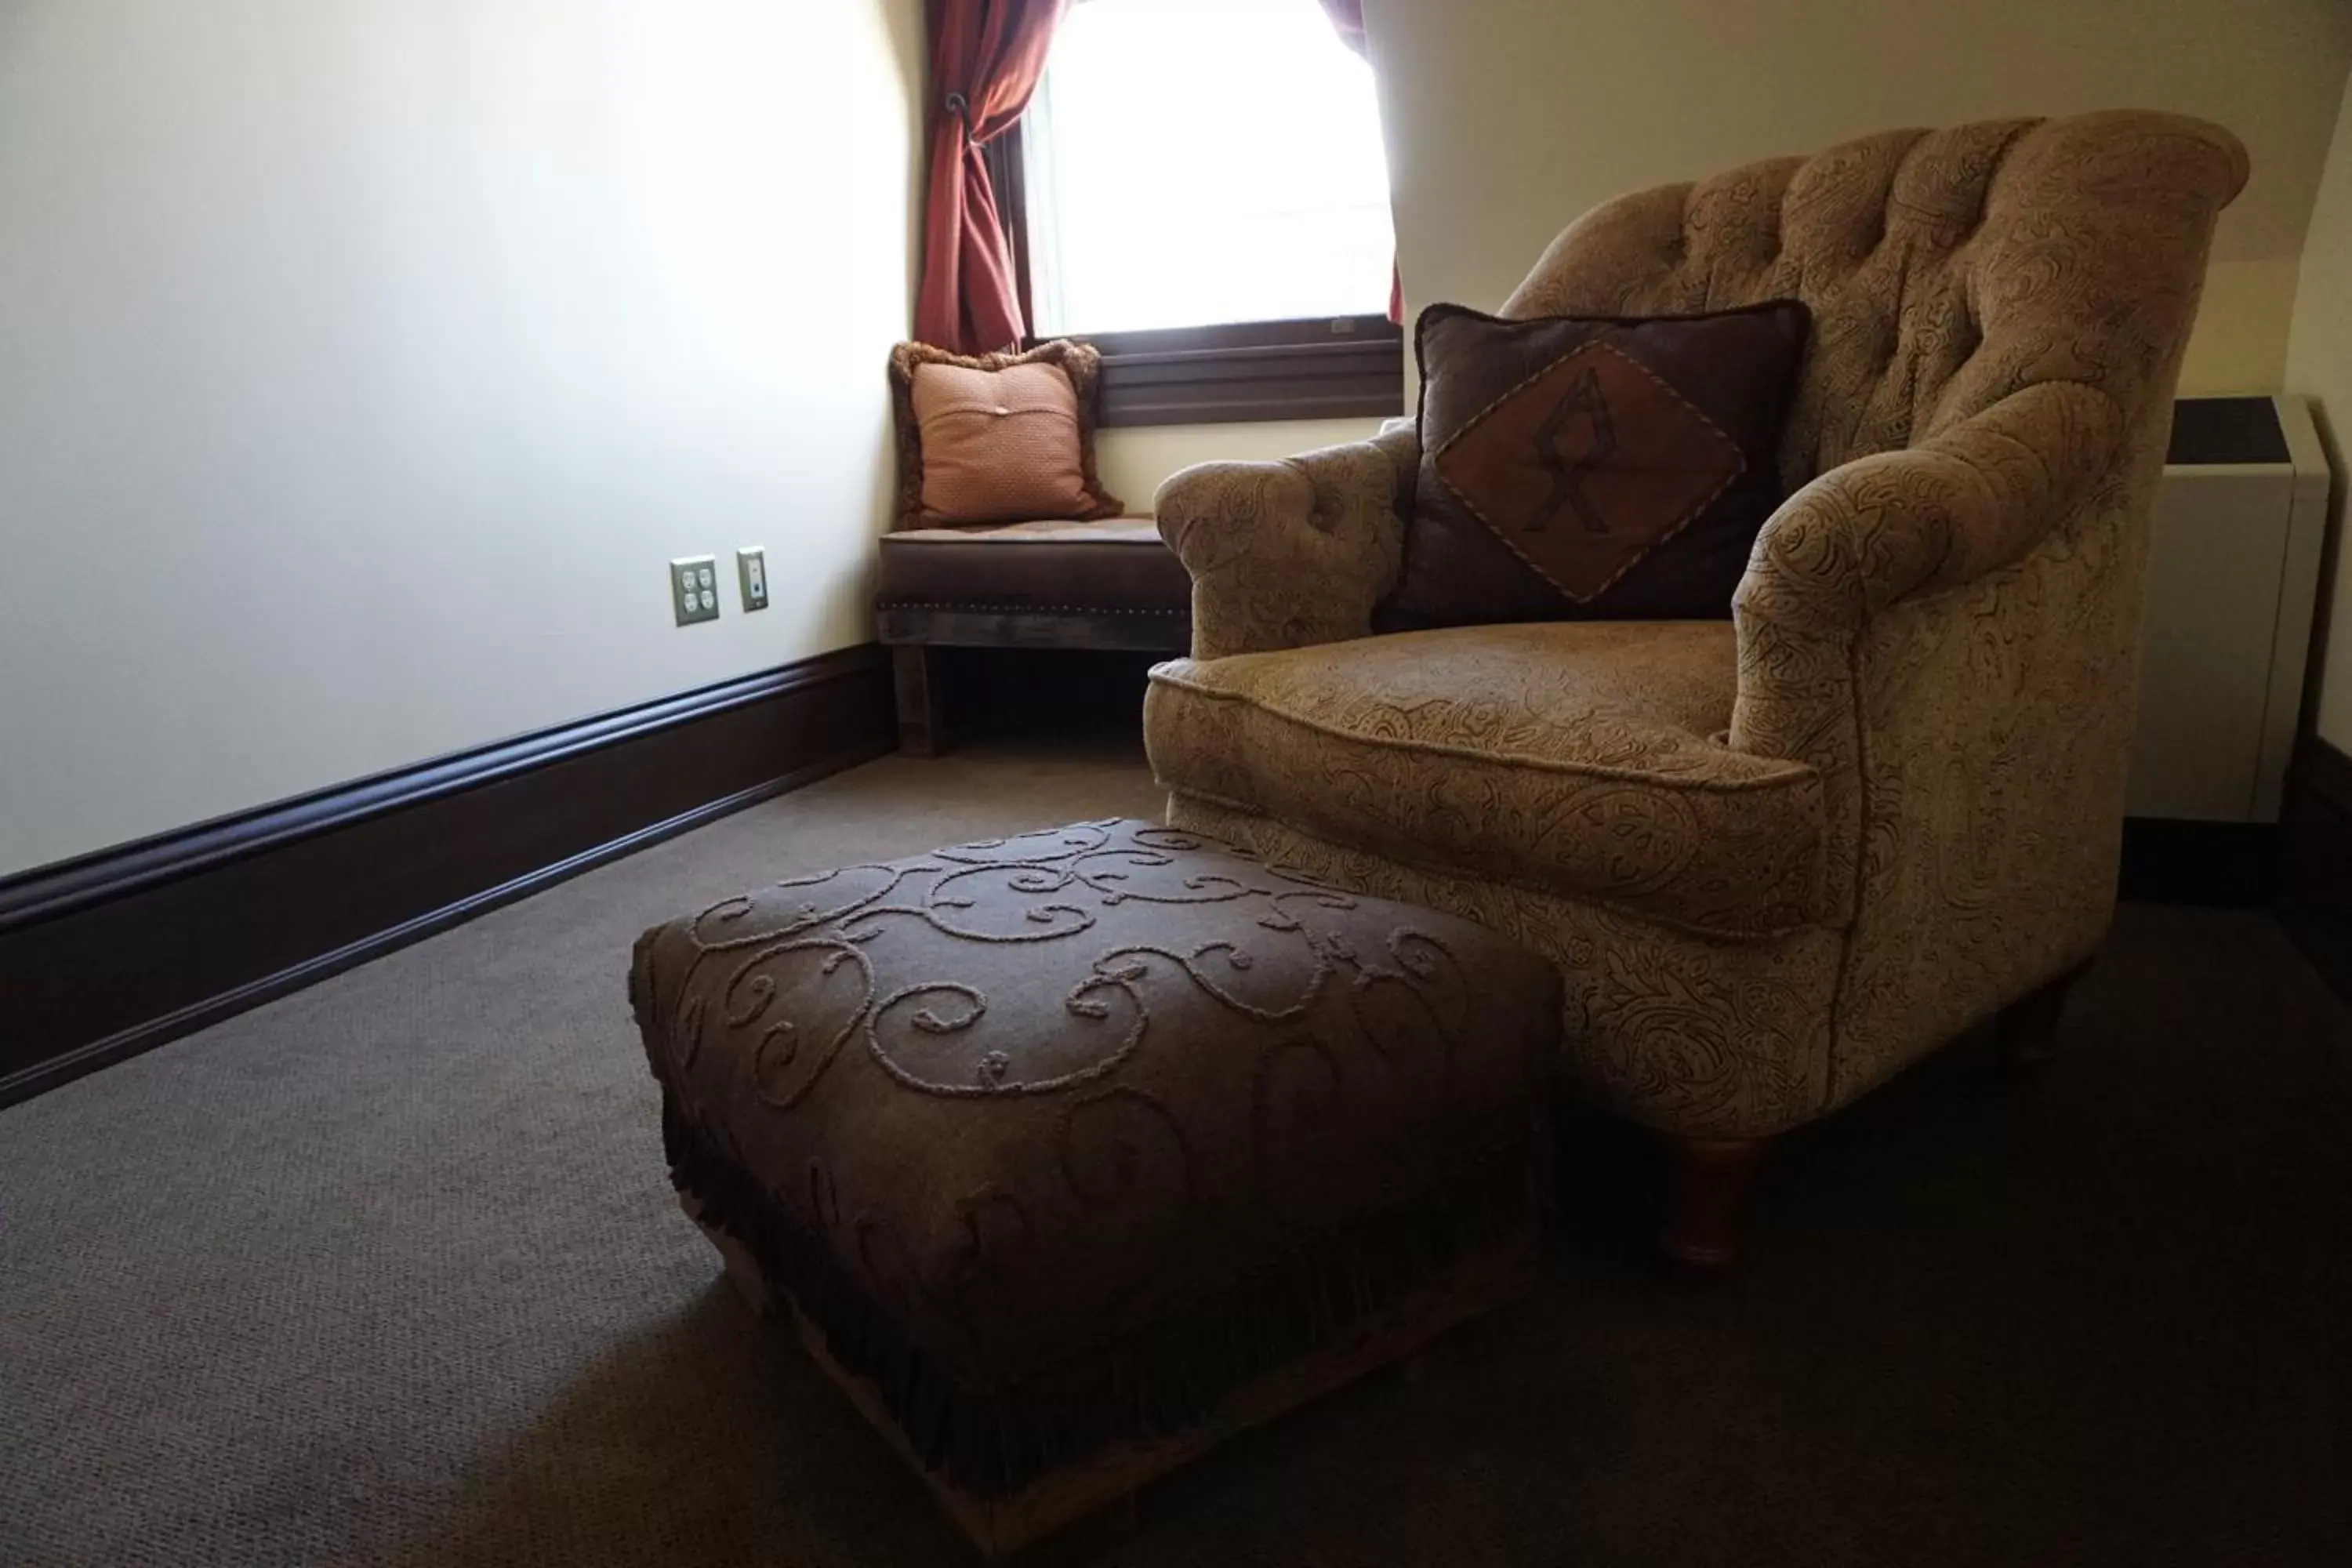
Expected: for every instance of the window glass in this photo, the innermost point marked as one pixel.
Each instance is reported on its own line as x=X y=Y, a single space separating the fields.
x=1192 y=162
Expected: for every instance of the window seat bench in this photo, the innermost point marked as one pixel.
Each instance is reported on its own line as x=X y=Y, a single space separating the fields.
x=1109 y=584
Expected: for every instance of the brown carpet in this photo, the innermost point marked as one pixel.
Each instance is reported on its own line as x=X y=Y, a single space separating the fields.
x=389 y=1271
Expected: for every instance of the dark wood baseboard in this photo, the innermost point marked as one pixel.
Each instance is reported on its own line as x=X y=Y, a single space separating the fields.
x=114 y=954
x=2314 y=859
x=2230 y=865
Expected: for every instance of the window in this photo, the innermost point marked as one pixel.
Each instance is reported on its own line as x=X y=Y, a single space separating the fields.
x=1192 y=163
x=1205 y=178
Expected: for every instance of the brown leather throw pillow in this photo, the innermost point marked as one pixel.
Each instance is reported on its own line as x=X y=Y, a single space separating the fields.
x=1579 y=468
x=997 y=438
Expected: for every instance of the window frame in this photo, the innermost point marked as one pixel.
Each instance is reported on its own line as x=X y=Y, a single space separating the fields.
x=1342 y=367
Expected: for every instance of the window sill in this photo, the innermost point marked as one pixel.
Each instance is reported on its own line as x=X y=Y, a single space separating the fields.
x=1349 y=367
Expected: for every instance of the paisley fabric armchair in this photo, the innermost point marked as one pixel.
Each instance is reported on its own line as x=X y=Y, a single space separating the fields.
x=1776 y=858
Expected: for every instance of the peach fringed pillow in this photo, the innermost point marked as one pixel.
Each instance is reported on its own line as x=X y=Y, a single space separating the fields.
x=997 y=438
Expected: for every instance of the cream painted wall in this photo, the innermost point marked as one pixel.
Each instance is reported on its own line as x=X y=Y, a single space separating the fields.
x=2320 y=365
x=363 y=361
x=1133 y=459
x=1505 y=118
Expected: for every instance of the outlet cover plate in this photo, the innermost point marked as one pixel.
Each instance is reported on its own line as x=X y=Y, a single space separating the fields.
x=694 y=588
x=751 y=577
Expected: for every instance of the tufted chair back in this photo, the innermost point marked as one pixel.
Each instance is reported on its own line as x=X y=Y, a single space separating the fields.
x=1946 y=269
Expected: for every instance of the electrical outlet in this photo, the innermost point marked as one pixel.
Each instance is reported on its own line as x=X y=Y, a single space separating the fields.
x=694 y=588
x=752 y=576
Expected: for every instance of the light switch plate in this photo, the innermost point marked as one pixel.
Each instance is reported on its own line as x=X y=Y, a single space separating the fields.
x=751 y=577
x=694 y=588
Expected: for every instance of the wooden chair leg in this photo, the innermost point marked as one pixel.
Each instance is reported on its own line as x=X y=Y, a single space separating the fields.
x=916 y=682
x=1706 y=1197
x=2027 y=1030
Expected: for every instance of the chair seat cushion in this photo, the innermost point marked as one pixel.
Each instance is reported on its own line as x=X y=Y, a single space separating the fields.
x=1114 y=565
x=1581 y=758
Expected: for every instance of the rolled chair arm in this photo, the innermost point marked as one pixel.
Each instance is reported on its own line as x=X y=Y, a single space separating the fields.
x=1289 y=554
x=1894 y=526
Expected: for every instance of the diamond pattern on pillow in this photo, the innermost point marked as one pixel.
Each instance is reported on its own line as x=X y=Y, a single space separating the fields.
x=1587 y=466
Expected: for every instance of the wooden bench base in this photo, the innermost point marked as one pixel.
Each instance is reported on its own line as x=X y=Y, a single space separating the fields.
x=919 y=639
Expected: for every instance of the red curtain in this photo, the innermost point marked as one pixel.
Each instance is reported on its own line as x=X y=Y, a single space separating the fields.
x=1347 y=16
x=986 y=58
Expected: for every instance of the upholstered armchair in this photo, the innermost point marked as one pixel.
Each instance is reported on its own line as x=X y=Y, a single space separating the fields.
x=1779 y=857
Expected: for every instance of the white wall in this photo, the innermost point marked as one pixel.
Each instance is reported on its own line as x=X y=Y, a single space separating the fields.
x=1133 y=459
x=363 y=361
x=1505 y=118
x=2320 y=365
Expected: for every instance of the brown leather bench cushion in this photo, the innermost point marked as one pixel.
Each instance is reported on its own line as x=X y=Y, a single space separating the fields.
x=1057 y=1138
x=1116 y=564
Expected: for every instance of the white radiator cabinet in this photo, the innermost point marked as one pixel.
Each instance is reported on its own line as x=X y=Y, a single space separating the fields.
x=2233 y=577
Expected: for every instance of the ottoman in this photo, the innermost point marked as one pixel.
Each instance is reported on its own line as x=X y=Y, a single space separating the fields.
x=1073 y=1153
